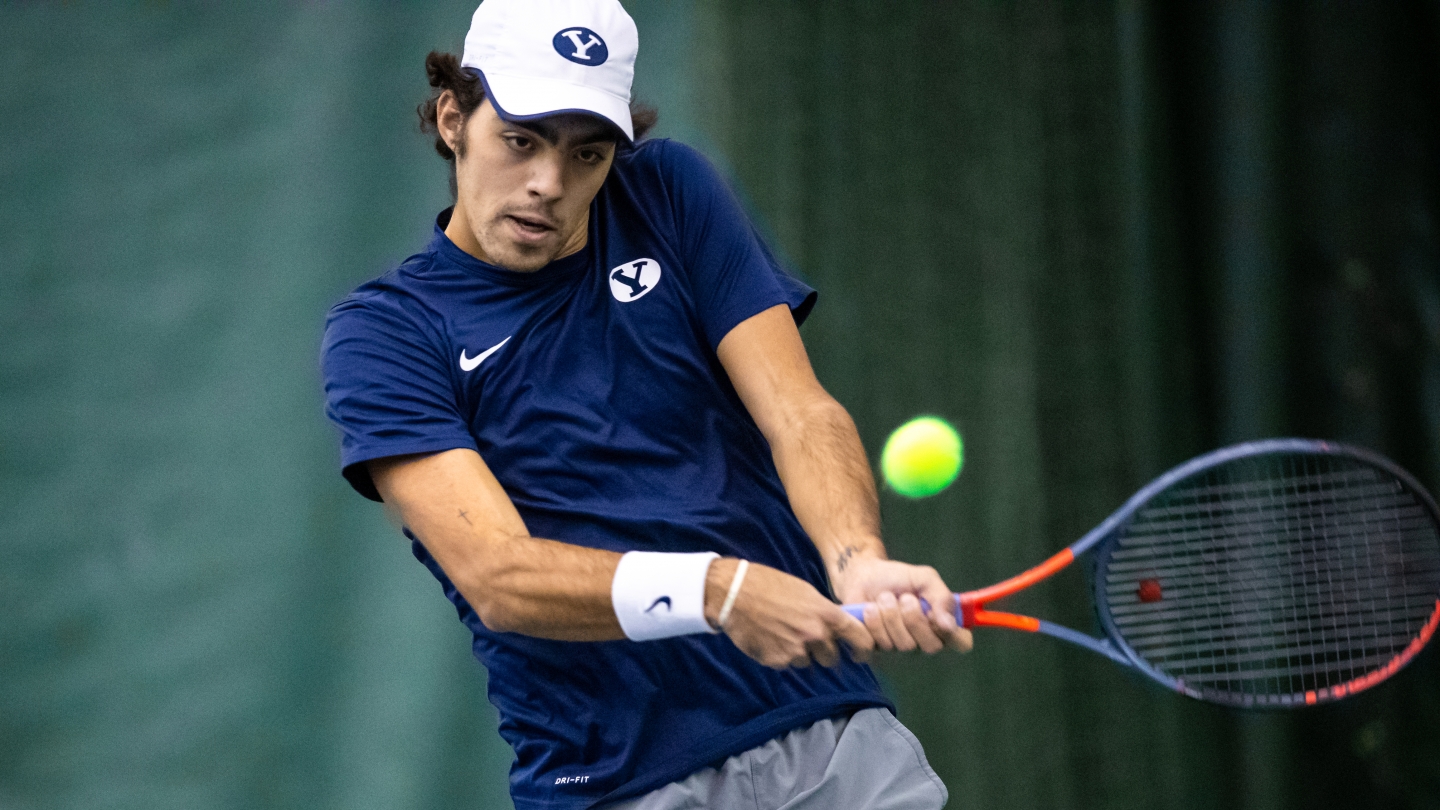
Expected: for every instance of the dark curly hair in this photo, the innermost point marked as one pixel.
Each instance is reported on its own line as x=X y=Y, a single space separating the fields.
x=445 y=73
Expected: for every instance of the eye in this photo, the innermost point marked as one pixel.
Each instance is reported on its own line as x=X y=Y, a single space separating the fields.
x=590 y=156
x=520 y=143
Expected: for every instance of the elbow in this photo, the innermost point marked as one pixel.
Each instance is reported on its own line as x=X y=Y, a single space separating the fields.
x=820 y=417
x=493 y=608
x=489 y=588
x=497 y=616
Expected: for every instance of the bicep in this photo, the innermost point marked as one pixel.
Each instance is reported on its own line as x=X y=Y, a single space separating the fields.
x=767 y=364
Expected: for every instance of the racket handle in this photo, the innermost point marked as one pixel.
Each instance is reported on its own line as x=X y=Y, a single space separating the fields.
x=858 y=610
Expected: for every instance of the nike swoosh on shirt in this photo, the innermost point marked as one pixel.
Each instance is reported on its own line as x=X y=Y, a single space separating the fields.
x=469 y=363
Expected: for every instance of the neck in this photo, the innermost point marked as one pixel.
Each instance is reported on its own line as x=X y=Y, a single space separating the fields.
x=458 y=230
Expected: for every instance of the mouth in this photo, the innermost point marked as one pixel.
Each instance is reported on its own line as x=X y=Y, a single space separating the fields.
x=530 y=227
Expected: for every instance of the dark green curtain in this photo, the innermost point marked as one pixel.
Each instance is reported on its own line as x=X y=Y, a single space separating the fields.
x=1100 y=237
x=1104 y=238
x=196 y=612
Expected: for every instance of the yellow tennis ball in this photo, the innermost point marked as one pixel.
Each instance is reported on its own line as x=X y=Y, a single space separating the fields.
x=922 y=457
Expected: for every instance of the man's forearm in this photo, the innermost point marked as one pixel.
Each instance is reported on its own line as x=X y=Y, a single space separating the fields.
x=515 y=582
x=813 y=440
x=827 y=477
x=542 y=588
x=550 y=589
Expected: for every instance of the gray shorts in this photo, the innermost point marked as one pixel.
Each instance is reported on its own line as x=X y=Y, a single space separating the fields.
x=867 y=761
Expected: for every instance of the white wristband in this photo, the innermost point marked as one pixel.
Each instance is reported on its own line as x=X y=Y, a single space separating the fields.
x=659 y=595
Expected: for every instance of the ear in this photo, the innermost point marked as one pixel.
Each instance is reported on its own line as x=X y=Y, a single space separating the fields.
x=450 y=121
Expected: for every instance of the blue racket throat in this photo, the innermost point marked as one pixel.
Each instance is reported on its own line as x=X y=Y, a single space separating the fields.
x=1100 y=646
x=1271 y=574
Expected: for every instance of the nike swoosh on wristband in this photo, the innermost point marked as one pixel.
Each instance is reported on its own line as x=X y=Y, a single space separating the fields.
x=469 y=363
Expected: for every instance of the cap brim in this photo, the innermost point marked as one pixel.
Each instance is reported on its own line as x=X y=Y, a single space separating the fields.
x=519 y=98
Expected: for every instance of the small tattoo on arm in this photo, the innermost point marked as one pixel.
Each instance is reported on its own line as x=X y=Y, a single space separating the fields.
x=465 y=517
x=844 y=558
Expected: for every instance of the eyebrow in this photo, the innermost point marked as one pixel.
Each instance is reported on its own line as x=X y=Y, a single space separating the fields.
x=551 y=135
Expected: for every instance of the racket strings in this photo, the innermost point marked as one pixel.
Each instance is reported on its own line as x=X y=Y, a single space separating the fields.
x=1276 y=577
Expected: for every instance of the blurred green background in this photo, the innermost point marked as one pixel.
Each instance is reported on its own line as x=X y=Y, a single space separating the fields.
x=1101 y=237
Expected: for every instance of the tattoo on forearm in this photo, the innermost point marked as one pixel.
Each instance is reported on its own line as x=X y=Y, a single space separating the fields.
x=465 y=517
x=844 y=558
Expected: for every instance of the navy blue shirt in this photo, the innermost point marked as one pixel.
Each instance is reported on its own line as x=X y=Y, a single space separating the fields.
x=592 y=390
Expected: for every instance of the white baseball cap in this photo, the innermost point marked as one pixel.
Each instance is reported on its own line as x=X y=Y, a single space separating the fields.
x=542 y=57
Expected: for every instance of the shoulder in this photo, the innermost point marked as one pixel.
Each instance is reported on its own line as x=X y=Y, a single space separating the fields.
x=398 y=290
x=386 y=306
x=670 y=180
x=663 y=153
x=666 y=161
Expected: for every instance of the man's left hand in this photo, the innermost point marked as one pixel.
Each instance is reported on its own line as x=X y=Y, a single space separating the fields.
x=894 y=616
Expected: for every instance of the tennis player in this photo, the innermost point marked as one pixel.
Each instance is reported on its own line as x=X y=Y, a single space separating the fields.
x=588 y=402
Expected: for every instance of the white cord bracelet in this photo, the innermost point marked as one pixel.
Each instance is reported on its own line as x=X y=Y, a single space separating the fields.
x=734 y=592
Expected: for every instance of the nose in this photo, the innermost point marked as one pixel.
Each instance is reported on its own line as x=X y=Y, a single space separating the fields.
x=547 y=176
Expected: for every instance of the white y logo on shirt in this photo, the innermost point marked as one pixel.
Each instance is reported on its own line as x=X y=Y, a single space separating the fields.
x=633 y=279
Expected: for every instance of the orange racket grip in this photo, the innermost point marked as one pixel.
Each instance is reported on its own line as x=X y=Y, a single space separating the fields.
x=1009 y=621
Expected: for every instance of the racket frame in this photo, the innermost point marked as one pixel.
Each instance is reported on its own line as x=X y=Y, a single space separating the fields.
x=971 y=606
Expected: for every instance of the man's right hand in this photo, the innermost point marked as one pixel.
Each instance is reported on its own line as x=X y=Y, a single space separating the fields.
x=783 y=621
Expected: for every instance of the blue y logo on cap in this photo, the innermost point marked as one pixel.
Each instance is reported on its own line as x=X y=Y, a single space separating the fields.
x=581 y=46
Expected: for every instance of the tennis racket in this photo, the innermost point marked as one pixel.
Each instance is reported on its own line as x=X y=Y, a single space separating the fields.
x=1278 y=573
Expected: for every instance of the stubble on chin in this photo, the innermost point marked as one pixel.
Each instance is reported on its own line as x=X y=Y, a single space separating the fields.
x=527 y=262
x=505 y=253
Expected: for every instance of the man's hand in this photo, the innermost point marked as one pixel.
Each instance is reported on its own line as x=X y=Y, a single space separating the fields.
x=897 y=622
x=782 y=621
